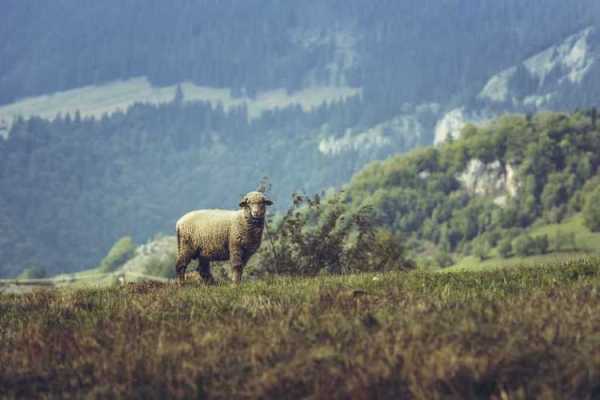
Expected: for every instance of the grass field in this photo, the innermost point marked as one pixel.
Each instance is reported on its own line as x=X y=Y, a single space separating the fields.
x=504 y=333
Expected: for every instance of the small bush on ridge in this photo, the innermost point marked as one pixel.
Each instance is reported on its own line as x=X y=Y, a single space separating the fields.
x=317 y=236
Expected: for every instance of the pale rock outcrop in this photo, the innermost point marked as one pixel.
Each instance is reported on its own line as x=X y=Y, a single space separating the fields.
x=493 y=179
x=452 y=123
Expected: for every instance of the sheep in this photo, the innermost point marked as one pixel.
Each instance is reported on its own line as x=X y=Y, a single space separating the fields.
x=220 y=235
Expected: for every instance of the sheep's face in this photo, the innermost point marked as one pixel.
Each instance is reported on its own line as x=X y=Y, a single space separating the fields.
x=255 y=205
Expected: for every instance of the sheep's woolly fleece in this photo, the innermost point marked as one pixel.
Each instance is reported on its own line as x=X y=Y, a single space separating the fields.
x=219 y=235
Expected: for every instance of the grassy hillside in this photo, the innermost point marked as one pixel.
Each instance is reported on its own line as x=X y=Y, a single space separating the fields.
x=585 y=240
x=525 y=333
x=568 y=239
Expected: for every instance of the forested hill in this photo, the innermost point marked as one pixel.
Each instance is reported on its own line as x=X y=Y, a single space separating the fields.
x=397 y=49
x=478 y=193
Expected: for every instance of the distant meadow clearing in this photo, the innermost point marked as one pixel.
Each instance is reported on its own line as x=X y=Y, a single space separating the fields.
x=98 y=100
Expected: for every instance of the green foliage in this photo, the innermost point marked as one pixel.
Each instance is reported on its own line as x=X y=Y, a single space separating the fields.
x=526 y=245
x=443 y=259
x=317 y=236
x=120 y=252
x=505 y=247
x=554 y=158
x=385 y=251
x=513 y=333
x=591 y=210
x=161 y=266
x=157 y=258
x=564 y=241
x=481 y=248
x=542 y=244
x=33 y=272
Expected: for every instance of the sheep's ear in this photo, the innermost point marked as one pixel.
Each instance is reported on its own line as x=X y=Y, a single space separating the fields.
x=268 y=202
x=244 y=202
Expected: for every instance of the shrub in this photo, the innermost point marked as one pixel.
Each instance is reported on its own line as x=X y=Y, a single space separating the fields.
x=564 y=241
x=33 y=272
x=556 y=214
x=384 y=251
x=317 y=236
x=505 y=247
x=481 y=248
x=524 y=245
x=541 y=244
x=443 y=259
x=163 y=266
x=120 y=252
x=591 y=210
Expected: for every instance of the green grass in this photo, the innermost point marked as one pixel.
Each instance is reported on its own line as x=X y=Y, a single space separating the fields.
x=472 y=263
x=587 y=243
x=504 y=333
x=584 y=238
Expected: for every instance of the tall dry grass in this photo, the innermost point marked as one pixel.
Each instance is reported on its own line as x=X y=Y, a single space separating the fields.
x=517 y=333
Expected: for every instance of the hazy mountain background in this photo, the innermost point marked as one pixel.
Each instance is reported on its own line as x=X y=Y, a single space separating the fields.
x=119 y=116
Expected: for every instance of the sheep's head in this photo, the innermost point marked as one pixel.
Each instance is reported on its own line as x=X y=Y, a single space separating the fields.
x=254 y=205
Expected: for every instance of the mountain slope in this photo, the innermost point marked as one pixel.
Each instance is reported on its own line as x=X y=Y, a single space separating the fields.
x=562 y=76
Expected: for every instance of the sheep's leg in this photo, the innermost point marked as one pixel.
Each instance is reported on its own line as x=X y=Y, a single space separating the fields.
x=237 y=274
x=180 y=265
x=237 y=264
x=204 y=271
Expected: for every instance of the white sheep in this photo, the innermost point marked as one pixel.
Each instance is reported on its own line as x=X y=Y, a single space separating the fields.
x=220 y=235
